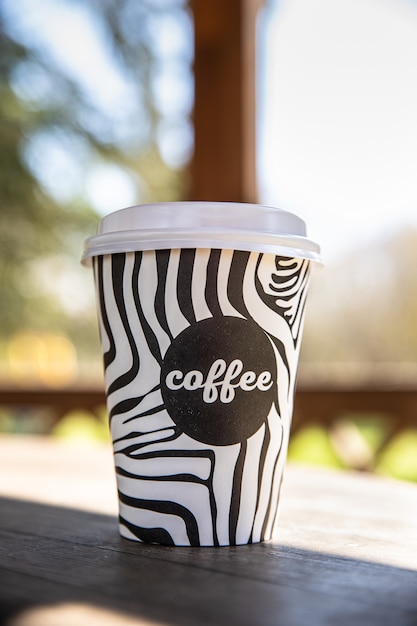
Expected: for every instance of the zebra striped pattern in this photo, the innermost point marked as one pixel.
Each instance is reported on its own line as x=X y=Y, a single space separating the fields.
x=172 y=489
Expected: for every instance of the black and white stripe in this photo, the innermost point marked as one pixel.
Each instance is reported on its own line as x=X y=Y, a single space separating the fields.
x=173 y=489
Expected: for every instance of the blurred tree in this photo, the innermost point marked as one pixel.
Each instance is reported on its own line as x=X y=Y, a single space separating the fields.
x=55 y=129
x=364 y=308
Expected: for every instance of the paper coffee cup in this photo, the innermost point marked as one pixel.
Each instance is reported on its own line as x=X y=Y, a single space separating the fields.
x=201 y=309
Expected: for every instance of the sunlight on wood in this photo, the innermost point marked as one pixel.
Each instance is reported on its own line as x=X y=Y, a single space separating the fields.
x=75 y=615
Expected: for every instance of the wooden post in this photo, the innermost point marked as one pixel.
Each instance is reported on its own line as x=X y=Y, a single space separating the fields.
x=224 y=165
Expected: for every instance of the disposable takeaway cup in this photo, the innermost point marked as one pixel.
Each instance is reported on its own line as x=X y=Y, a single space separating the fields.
x=200 y=308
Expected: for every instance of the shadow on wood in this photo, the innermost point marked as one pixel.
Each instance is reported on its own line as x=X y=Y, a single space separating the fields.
x=58 y=558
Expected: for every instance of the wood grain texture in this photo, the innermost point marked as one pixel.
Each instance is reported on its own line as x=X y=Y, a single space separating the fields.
x=345 y=552
x=223 y=166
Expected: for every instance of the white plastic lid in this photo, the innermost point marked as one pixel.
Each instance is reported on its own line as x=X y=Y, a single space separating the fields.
x=236 y=226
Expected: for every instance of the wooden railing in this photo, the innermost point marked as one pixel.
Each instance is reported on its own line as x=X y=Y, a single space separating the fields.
x=317 y=404
x=340 y=411
x=322 y=406
x=58 y=401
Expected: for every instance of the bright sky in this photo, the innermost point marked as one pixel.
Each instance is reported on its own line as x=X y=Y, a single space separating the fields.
x=338 y=134
x=337 y=109
x=80 y=50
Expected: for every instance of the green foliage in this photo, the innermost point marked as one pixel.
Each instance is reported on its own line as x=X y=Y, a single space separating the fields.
x=373 y=427
x=18 y=422
x=52 y=133
x=400 y=457
x=315 y=445
x=312 y=446
x=82 y=426
x=32 y=223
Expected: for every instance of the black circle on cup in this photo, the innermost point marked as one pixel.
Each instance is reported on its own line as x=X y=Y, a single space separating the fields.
x=218 y=380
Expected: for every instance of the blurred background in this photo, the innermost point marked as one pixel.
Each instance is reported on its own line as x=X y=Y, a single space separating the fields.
x=311 y=107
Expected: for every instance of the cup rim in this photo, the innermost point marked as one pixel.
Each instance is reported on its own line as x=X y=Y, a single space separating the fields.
x=172 y=225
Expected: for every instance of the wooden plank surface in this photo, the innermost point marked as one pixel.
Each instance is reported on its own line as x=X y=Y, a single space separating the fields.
x=346 y=552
